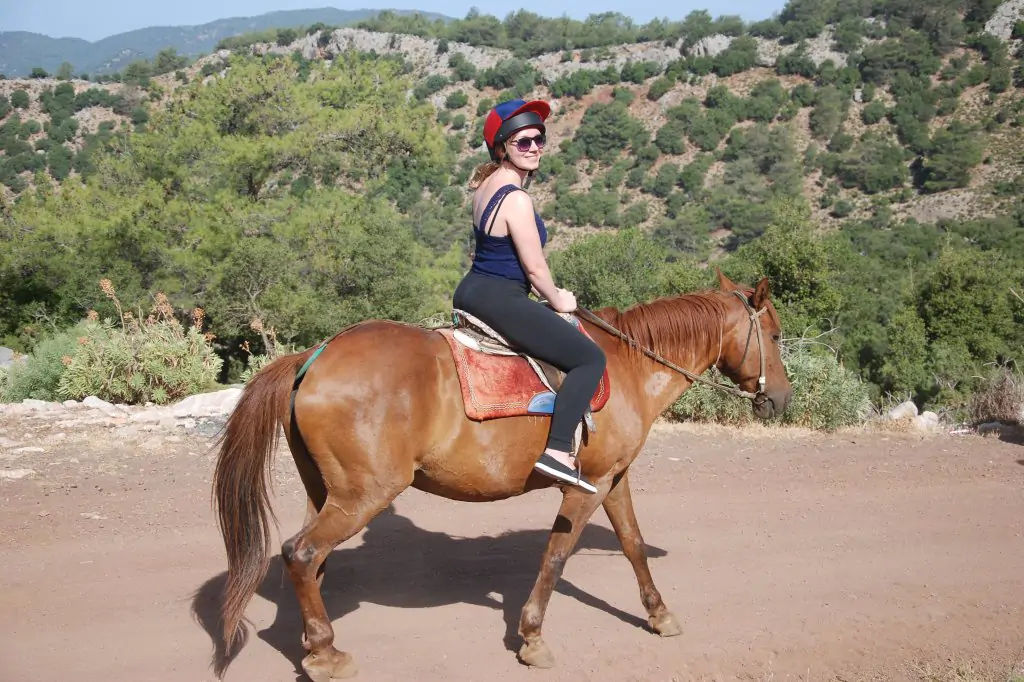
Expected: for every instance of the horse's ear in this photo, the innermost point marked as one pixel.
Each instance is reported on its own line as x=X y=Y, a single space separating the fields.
x=724 y=283
x=761 y=293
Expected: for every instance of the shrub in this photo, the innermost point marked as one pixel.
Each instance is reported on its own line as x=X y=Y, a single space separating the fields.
x=659 y=88
x=155 y=360
x=39 y=376
x=456 y=100
x=826 y=395
x=705 y=404
x=873 y=112
x=253 y=365
x=19 y=99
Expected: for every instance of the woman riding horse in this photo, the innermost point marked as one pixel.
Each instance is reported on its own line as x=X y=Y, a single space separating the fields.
x=508 y=262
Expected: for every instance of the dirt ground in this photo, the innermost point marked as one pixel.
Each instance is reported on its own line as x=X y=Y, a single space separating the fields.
x=784 y=554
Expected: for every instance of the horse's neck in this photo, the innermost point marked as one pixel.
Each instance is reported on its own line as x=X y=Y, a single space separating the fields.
x=658 y=386
x=661 y=386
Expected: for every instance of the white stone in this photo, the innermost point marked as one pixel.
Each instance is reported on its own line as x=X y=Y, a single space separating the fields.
x=39 y=405
x=103 y=406
x=927 y=421
x=711 y=46
x=151 y=416
x=215 y=403
x=1000 y=24
x=903 y=410
x=16 y=474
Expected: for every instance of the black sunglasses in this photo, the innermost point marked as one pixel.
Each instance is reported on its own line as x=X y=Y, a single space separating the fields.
x=523 y=144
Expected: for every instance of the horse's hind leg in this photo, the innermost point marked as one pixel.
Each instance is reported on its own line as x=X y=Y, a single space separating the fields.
x=577 y=508
x=316 y=496
x=342 y=515
x=619 y=507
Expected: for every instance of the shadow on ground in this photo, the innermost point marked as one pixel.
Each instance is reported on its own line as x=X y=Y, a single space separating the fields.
x=401 y=565
x=1012 y=434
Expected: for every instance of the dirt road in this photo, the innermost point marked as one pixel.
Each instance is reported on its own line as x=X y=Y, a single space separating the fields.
x=784 y=554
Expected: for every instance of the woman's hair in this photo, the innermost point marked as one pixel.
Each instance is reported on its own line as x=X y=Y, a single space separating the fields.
x=484 y=170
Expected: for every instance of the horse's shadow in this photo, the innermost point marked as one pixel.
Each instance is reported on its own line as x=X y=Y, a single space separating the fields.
x=401 y=565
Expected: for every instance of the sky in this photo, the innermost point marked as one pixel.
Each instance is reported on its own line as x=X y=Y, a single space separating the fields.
x=95 y=20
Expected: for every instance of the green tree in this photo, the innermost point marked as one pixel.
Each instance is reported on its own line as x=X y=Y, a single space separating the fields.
x=613 y=269
x=829 y=111
x=168 y=60
x=799 y=265
x=874 y=165
x=954 y=151
x=286 y=36
x=607 y=130
x=964 y=298
x=202 y=199
x=904 y=368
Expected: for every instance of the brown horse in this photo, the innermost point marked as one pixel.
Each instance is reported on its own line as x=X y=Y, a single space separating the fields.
x=380 y=410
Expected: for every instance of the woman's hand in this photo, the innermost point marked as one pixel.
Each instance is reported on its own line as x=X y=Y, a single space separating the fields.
x=565 y=301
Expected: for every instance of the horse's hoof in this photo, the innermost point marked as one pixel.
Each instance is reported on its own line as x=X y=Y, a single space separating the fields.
x=536 y=654
x=329 y=664
x=665 y=624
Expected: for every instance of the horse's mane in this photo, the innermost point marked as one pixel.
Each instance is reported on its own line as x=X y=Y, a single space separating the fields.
x=691 y=320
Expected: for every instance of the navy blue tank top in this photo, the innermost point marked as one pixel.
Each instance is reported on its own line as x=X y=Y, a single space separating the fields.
x=497 y=256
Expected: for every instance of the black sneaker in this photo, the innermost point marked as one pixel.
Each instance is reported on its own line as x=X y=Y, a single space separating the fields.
x=550 y=466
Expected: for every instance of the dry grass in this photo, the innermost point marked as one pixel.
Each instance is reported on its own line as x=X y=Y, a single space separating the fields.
x=952 y=669
x=1001 y=400
x=770 y=430
x=900 y=429
x=961 y=669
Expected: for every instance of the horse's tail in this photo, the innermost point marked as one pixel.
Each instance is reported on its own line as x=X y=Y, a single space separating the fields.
x=240 y=483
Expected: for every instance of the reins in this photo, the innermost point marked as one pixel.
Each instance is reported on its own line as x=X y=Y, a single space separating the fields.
x=731 y=390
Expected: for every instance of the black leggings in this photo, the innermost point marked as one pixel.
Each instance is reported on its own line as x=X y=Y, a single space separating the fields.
x=538 y=331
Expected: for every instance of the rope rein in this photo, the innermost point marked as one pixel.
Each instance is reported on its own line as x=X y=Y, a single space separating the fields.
x=730 y=390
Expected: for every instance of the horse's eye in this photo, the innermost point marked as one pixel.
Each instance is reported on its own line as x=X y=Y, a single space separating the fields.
x=776 y=337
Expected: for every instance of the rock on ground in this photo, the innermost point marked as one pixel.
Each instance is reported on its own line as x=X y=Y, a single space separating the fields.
x=196 y=412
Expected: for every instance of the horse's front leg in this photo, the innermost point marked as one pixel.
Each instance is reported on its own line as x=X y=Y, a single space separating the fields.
x=619 y=507
x=577 y=508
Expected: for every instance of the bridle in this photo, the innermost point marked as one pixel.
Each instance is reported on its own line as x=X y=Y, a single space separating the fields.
x=758 y=397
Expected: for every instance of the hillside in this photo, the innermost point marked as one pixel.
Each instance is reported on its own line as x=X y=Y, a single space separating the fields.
x=657 y=100
x=868 y=159
x=21 y=51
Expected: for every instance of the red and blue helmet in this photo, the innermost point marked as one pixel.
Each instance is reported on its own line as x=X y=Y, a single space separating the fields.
x=508 y=117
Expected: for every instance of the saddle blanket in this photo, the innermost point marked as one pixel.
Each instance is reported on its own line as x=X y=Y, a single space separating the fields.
x=495 y=386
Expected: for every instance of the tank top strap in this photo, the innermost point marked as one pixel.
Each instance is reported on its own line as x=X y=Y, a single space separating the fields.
x=494 y=203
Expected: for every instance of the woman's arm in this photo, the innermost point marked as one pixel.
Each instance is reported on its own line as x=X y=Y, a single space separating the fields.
x=522 y=226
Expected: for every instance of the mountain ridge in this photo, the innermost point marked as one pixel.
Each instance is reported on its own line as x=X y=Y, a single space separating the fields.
x=21 y=51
